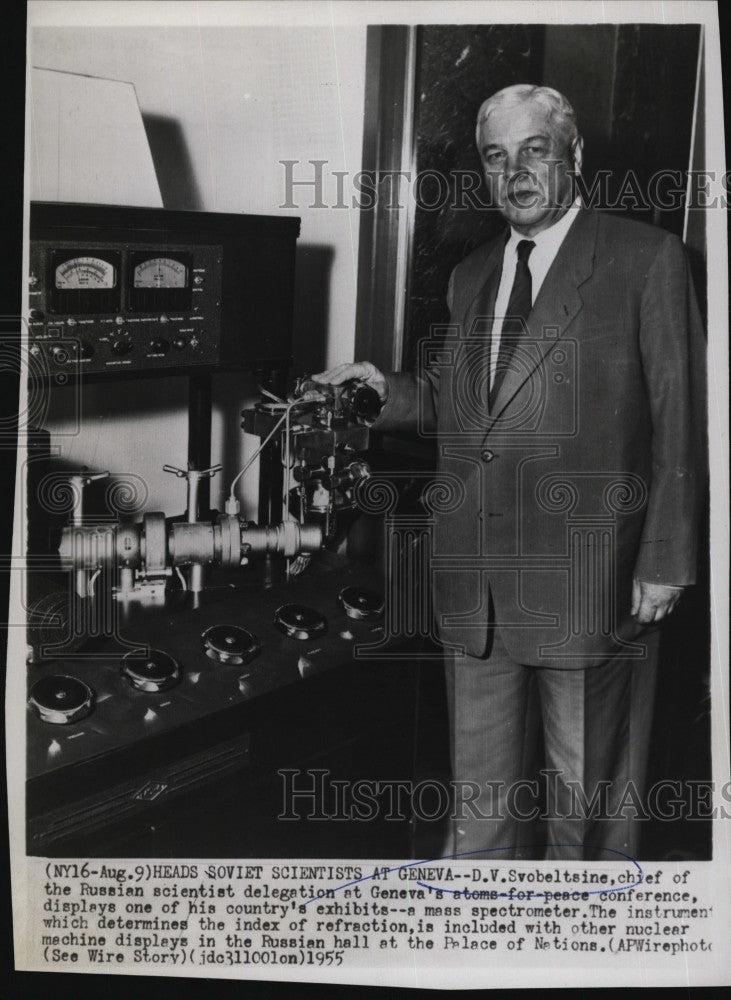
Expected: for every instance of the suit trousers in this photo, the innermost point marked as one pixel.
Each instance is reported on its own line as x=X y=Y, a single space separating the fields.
x=586 y=801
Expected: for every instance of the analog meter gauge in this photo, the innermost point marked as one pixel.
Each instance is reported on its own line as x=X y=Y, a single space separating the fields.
x=85 y=272
x=161 y=272
x=85 y=281
x=160 y=283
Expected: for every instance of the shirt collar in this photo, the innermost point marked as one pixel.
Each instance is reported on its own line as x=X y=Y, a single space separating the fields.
x=551 y=238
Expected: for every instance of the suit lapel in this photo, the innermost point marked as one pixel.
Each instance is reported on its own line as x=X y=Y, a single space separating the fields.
x=556 y=305
x=477 y=309
x=482 y=304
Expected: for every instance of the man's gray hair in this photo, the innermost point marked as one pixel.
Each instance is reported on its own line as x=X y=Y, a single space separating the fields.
x=560 y=113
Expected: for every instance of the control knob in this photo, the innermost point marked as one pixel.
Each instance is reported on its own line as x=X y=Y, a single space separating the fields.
x=61 y=353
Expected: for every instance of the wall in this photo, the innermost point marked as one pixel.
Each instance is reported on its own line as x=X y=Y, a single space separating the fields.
x=222 y=107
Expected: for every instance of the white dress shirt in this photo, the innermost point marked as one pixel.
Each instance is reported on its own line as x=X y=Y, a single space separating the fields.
x=541 y=257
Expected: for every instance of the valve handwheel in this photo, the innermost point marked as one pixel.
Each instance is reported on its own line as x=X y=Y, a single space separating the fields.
x=299 y=621
x=61 y=700
x=230 y=644
x=158 y=671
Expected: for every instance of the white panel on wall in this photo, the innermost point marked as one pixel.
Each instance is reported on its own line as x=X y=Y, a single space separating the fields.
x=88 y=142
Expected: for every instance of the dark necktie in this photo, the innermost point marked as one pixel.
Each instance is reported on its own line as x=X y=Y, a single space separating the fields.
x=519 y=307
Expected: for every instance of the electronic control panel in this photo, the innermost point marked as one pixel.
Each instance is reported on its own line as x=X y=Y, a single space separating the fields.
x=124 y=305
x=114 y=290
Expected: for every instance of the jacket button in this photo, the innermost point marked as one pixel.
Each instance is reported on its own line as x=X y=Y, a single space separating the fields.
x=486 y=455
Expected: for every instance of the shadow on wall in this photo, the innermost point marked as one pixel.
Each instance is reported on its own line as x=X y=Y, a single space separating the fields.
x=232 y=392
x=115 y=398
x=180 y=192
x=124 y=427
x=312 y=306
x=173 y=166
x=125 y=432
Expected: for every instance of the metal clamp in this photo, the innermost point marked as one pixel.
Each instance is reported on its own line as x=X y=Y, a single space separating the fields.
x=193 y=476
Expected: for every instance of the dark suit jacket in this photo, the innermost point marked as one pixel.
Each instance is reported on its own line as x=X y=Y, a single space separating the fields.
x=585 y=472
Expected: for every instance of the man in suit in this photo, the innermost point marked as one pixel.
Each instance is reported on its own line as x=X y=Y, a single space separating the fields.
x=566 y=403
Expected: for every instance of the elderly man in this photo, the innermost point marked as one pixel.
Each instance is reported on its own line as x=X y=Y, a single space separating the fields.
x=566 y=406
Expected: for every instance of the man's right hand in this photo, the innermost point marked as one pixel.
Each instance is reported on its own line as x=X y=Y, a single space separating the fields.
x=362 y=371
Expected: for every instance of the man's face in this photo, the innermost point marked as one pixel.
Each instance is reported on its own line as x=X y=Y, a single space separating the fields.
x=527 y=164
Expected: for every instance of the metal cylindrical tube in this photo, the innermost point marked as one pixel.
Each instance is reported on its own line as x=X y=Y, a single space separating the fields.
x=126 y=580
x=155 y=548
x=193 y=481
x=191 y=543
x=88 y=547
x=128 y=545
x=227 y=541
x=310 y=537
x=77 y=488
x=287 y=539
x=195 y=578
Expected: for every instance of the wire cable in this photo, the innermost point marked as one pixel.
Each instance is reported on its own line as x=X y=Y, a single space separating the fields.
x=282 y=420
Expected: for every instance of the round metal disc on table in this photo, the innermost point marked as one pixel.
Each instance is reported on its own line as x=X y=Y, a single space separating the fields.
x=61 y=700
x=156 y=672
x=300 y=622
x=361 y=603
x=230 y=644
